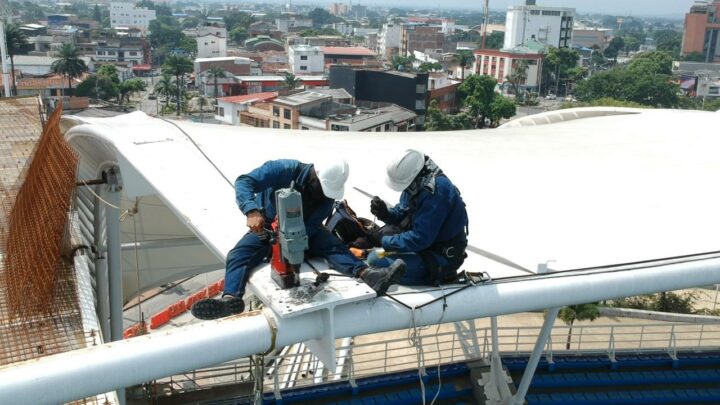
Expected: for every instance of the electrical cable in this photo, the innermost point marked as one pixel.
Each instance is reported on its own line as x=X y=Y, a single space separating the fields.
x=199 y=150
x=90 y=189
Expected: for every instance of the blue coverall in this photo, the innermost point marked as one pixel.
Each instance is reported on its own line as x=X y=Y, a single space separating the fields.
x=438 y=216
x=256 y=191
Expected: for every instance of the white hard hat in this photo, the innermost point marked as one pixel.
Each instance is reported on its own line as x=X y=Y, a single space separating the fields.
x=403 y=169
x=332 y=175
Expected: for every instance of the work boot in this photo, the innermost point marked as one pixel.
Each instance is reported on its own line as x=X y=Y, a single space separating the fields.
x=217 y=308
x=381 y=278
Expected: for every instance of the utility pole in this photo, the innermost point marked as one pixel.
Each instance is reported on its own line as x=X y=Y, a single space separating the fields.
x=486 y=11
x=4 y=16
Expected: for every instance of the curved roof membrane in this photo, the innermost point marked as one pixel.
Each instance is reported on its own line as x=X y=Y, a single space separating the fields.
x=582 y=192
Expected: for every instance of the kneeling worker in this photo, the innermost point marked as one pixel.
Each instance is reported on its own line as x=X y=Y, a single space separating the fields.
x=431 y=218
x=319 y=186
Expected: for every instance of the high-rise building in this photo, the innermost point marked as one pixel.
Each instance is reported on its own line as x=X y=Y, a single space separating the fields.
x=551 y=26
x=702 y=30
x=128 y=15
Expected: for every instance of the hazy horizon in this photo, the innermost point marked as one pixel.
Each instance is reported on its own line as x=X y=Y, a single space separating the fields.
x=666 y=8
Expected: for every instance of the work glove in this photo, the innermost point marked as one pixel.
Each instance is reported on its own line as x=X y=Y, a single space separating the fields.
x=379 y=209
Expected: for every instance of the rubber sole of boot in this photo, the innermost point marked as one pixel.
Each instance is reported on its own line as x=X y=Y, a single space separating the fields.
x=209 y=309
x=397 y=270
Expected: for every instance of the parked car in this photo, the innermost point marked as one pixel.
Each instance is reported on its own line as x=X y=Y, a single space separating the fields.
x=570 y=99
x=550 y=96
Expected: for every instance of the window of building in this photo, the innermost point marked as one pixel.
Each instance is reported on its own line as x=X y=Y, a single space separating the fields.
x=303 y=57
x=286 y=126
x=220 y=111
x=276 y=111
x=304 y=128
x=303 y=67
x=276 y=124
x=336 y=127
x=419 y=88
x=387 y=127
x=133 y=53
x=287 y=113
x=551 y=12
x=419 y=104
x=714 y=91
x=377 y=129
x=534 y=12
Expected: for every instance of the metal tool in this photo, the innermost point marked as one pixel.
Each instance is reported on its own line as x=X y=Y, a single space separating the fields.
x=288 y=250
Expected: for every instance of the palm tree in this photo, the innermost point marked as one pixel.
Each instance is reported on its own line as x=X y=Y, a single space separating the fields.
x=518 y=76
x=16 y=43
x=202 y=103
x=68 y=63
x=178 y=66
x=402 y=63
x=165 y=87
x=464 y=58
x=291 y=80
x=215 y=73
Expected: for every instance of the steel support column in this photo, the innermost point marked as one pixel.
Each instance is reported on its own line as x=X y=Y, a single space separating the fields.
x=114 y=259
x=542 y=339
x=101 y=270
x=497 y=390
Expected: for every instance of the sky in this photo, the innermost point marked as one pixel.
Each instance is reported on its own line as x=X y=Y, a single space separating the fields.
x=665 y=8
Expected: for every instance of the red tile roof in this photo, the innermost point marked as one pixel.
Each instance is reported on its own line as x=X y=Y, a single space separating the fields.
x=347 y=50
x=250 y=97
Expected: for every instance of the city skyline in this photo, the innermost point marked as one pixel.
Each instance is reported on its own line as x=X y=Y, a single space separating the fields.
x=665 y=8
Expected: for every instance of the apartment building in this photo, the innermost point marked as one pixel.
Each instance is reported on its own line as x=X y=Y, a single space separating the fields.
x=552 y=26
x=701 y=33
x=126 y=14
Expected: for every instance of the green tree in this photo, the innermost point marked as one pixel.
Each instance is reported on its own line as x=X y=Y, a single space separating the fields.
x=128 y=87
x=321 y=17
x=109 y=71
x=477 y=94
x=437 y=120
x=238 y=35
x=658 y=62
x=178 y=66
x=616 y=45
x=639 y=84
x=238 y=19
x=402 y=63
x=16 y=43
x=501 y=107
x=97 y=14
x=557 y=63
x=165 y=87
x=430 y=67
x=98 y=87
x=463 y=59
x=202 y=102
x=292 y=81
x=580 y=312
x=602 y=102
x=215 y=73
x=190 y=22
x=518 y=76
x=313 y=32
x=668 y=40
x=68 y=63
x=495 y=40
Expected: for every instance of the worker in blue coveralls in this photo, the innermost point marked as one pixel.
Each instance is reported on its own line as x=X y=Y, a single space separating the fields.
x=431 y=222
x=319 y=185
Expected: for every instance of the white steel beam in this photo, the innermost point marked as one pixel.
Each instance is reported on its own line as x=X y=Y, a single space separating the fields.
x=81 y=373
